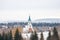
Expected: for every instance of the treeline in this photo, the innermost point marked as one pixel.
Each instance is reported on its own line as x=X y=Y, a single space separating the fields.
x=9 y=36
x=25 y=23
x=6 y=36
x=33 y=36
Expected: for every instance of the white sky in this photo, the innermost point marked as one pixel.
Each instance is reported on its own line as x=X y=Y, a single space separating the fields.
x=13 y=10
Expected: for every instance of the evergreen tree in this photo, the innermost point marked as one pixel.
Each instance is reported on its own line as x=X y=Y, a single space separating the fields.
x=0 y=37
x=42 y=38
x=49 y=36
x=55 y=34
x=6 y=37
x=20 y=37
x=16 y=37
x=10 y=35
x=3 y=36
x=34 y=36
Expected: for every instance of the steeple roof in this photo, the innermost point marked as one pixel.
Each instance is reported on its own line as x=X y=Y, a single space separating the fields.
x=29 y=19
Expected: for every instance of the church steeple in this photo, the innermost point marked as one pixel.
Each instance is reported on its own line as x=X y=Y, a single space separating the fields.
x=29 y=19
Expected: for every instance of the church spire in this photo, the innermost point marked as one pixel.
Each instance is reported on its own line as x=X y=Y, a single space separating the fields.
x=29 y=19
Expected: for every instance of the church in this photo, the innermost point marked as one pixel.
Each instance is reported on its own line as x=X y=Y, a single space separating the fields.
x=28 y=28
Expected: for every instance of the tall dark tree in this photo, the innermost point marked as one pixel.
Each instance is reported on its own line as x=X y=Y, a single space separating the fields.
x=42 y=38
x=16 y=37
x=49 y=36
x=0 y=37
x=6 y=37
x=10 y=35
x=20 y=36
x=34 y=36
x=55 y=34
x=3 y=35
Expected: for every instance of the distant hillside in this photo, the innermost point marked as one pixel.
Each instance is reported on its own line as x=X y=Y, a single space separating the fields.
x=48 y=20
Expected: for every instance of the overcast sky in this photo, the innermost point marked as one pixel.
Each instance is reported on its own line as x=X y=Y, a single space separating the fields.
x=21 y=9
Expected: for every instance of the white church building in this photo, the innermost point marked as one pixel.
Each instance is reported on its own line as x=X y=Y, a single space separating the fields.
x=29 y=28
